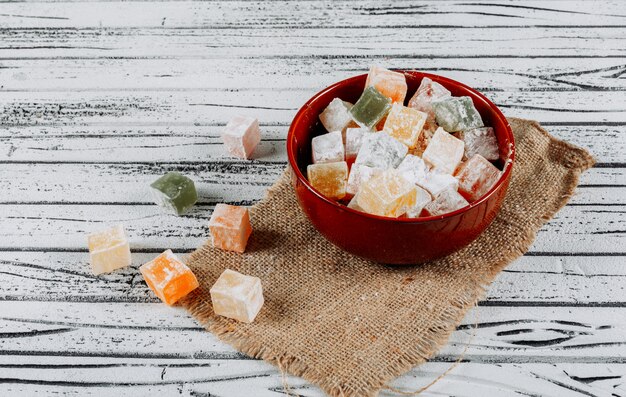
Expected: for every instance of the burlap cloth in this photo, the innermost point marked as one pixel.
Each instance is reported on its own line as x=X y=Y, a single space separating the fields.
x=349 y=325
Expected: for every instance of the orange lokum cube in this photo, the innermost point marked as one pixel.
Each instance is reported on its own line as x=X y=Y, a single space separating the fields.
x=389 y=83
x=168 y=277
x=331 y=179
x=230 y=227
x=405 y=124
x=476 y=176
x=387 y=194
x=237 y=296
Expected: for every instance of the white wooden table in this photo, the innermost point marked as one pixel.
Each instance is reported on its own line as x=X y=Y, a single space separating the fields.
x=97 y=99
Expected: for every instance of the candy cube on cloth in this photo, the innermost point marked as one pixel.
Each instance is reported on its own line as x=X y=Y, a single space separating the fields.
x=168 y=277
x=359 y=174
x=108 y=250
x=237 y=296
x=174 y=192
x=354 y=139
x=444 y=152
x=328 y=148
x=336 y=116
x=447 y=200
x=457 y=113
x=330 y=179
x=389 y=83
x=230 y=227
x=379 y=150
x=405 y=124
x=387 y=194
x=422 y=197
x=371 y=107
x=476 y=176
x=241 y=136
x=427 y=93
x=481 y=141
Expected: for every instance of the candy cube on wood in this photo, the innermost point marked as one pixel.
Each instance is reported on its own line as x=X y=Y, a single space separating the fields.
x=389 y=83
x=336 y=116
x=237 y=296
x=328 y=148
x=330 y=179
x=476 y=177
x=360 y=174
x=427 y=93
x=354 y=139
x=230 y=227
x=446 y=201
x=481 y=141
x=437 y=181
x=241 y=136
x=457 y=113
x=168 y=277
x=387 y=194
x=405 y=124
x=422 y=197
x=108 y=250
x=444 y=152
x=379 y=150
x=174 y=192
x=371 y=107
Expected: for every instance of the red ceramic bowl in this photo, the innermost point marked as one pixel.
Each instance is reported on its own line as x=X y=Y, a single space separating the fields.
x=388 y=240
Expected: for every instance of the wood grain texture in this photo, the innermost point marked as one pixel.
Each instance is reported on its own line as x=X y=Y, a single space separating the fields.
x=99 y=98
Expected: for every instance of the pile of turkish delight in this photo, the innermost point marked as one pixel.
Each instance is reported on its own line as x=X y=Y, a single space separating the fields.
x=381 y=157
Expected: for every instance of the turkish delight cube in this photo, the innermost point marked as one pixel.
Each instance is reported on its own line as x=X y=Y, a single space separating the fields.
x=389 y=83
x=427 y=93
x=476 y=177
x=457 y=113
x=446 y=201
x=387 y=194
x=371 y=107
x=481 y=141
x=359 y=174
x=437 y=181
x=422 y=197
x=413 y=169
x=108 y=250
x=354 y=139
x=354 y=204
x=444 y=152
x=174 y=192
x=336 y=116
x=405 y=124
x=328 y=148
x=330 y=179
x=230 y=227
x=241 y=136
x=168 y=277
x=237 y=296
x=379 y=150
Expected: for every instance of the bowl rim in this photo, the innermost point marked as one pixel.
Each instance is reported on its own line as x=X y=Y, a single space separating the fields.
x=506 y=172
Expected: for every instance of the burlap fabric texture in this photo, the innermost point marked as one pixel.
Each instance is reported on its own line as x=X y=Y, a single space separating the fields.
x=349 y=325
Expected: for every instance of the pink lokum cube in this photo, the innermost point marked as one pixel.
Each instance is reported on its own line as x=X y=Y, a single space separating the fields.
x=447 y=201
x=241 y=136
x=444 y=152
x=476 y=176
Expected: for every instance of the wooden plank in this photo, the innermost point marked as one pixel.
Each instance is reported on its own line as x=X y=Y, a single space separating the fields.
x=161 y=144
x=153 y=330
x=299 y=15
x=113 y=108
x=300 y=48
x=105 y=377
x=66 y=276
x=575 y=229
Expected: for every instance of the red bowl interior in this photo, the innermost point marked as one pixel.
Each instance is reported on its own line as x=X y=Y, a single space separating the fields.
x=330 y=217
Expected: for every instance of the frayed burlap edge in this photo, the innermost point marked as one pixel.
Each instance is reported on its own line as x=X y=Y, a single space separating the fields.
x=438 y=334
